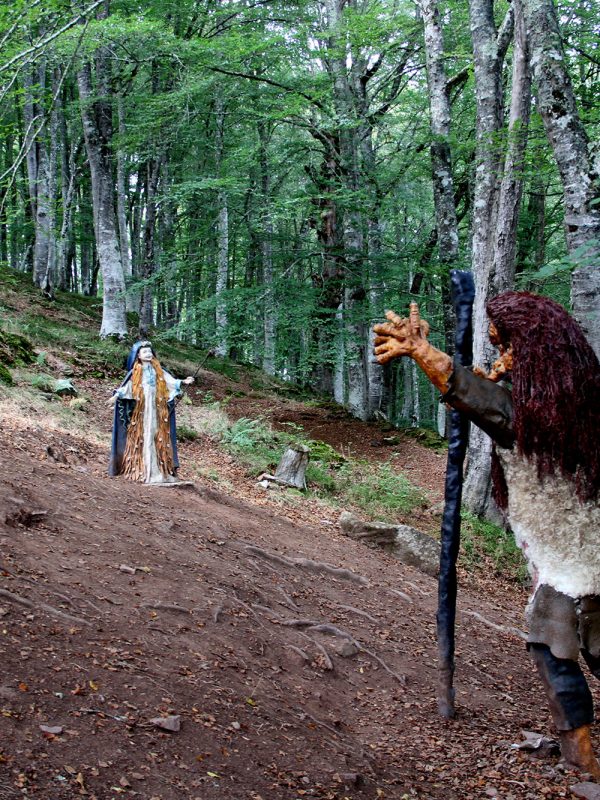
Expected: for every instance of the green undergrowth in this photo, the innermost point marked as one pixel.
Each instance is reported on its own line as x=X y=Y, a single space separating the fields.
x=376 y=490
x=15 y=351
x=484 y=543
x=427 y=438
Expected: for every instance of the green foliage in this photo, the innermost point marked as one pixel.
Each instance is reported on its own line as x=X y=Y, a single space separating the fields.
x=482 y=541
x=186 y=434
x=427 y=437
x=380 y=491
x=15 y=349
x=42 y=382
x=376 y=489
x=5 y=376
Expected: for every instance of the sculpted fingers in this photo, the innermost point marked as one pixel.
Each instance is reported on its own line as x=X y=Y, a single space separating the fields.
x=394 y=318
x=387 y=329
x=415 y=318
x=385 y=352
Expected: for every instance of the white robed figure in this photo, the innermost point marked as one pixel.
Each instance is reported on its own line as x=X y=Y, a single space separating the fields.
x=144 y=446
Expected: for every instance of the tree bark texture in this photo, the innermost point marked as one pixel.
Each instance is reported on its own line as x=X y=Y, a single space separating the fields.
x=221 y=318
x=569 y=142
x=491 y=276
x=268 y=361
x=97 y=130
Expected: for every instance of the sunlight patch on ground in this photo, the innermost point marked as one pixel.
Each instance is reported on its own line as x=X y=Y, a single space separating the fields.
x=21 y=410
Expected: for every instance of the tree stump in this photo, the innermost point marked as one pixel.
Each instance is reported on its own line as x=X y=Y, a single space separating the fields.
x=291 y=469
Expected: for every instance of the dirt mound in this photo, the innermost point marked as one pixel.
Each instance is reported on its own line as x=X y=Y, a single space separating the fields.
x=299 y=663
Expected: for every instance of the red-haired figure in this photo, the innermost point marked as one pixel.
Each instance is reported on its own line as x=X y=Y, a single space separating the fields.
x=144 y=444
x=546 y=478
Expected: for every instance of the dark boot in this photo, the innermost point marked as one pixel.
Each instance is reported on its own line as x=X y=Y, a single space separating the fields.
x=576 y=749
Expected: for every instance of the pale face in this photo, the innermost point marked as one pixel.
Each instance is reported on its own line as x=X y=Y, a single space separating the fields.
x=145 y=354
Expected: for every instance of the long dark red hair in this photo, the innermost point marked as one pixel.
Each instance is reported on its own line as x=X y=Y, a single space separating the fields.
x=555 y=389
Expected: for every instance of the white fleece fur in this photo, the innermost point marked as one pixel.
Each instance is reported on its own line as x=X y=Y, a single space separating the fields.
x=559 y=535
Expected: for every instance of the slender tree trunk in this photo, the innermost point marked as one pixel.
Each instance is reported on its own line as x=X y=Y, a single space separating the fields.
x=268 y=362
x=29 y=122
x=568 y=139
x=511 y=187
x=489 y=49
x=149 y=247
x=96 y=116
x=221 y=317
x=122 y=205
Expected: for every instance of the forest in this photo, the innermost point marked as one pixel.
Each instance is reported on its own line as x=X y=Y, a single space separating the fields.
x=264 y=178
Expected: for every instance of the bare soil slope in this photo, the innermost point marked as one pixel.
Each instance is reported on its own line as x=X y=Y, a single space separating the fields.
x=300 y=663
x=292 y=661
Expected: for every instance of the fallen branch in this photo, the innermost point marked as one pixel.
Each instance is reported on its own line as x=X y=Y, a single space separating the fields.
x=41 y=607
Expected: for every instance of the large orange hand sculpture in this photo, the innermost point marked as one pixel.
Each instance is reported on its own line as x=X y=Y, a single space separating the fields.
x=408 y=337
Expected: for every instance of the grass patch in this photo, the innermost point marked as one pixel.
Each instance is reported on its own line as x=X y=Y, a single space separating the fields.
x=42 y=382
x=483 y=541
x=186 y=434
x=375 y=489
x=379 y=491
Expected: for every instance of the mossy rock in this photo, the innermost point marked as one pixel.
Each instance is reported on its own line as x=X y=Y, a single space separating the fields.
x=5 y=376
x=15 y=349
x=427 y=438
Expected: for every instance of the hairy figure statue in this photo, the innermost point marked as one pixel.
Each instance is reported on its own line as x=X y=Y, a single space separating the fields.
x=546 y=479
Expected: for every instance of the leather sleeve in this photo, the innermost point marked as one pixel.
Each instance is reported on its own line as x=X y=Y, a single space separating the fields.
x=483 y=402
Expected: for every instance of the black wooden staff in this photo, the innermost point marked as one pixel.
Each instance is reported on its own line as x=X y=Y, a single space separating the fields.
x=463 y=293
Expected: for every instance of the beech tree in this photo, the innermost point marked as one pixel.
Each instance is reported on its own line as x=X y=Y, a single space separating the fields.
x=267 y=178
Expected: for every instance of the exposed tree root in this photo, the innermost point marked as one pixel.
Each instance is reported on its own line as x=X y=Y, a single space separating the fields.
x=159 y=606
x=404 y=596
x=288 y=600
x=42 y=607
x=502 y=628
x=298 y=650
x=332 y=630
x=310 y=566
x=359 y=613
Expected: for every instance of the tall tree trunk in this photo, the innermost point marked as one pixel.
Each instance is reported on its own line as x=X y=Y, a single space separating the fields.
x=354 y=295
x=96 y=116
x=441 y=157
x=221 y=317
x=489 y=49
x=122 y=205
x=148 y=267
x=511 y=187
x=268 y=362
x=30 y=143
x=567 y=136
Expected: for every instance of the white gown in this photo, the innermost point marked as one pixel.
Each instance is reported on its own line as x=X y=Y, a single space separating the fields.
x=152 y=471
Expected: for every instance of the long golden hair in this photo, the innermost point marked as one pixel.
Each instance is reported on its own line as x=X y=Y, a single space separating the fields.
x=133 y=458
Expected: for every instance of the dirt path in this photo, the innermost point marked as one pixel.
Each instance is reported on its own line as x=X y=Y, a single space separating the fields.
x=300 y=663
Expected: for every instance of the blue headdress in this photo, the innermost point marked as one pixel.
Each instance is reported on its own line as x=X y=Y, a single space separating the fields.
x=133 y=353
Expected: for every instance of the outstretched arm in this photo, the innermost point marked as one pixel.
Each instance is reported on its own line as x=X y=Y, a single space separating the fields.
x=408 y=337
